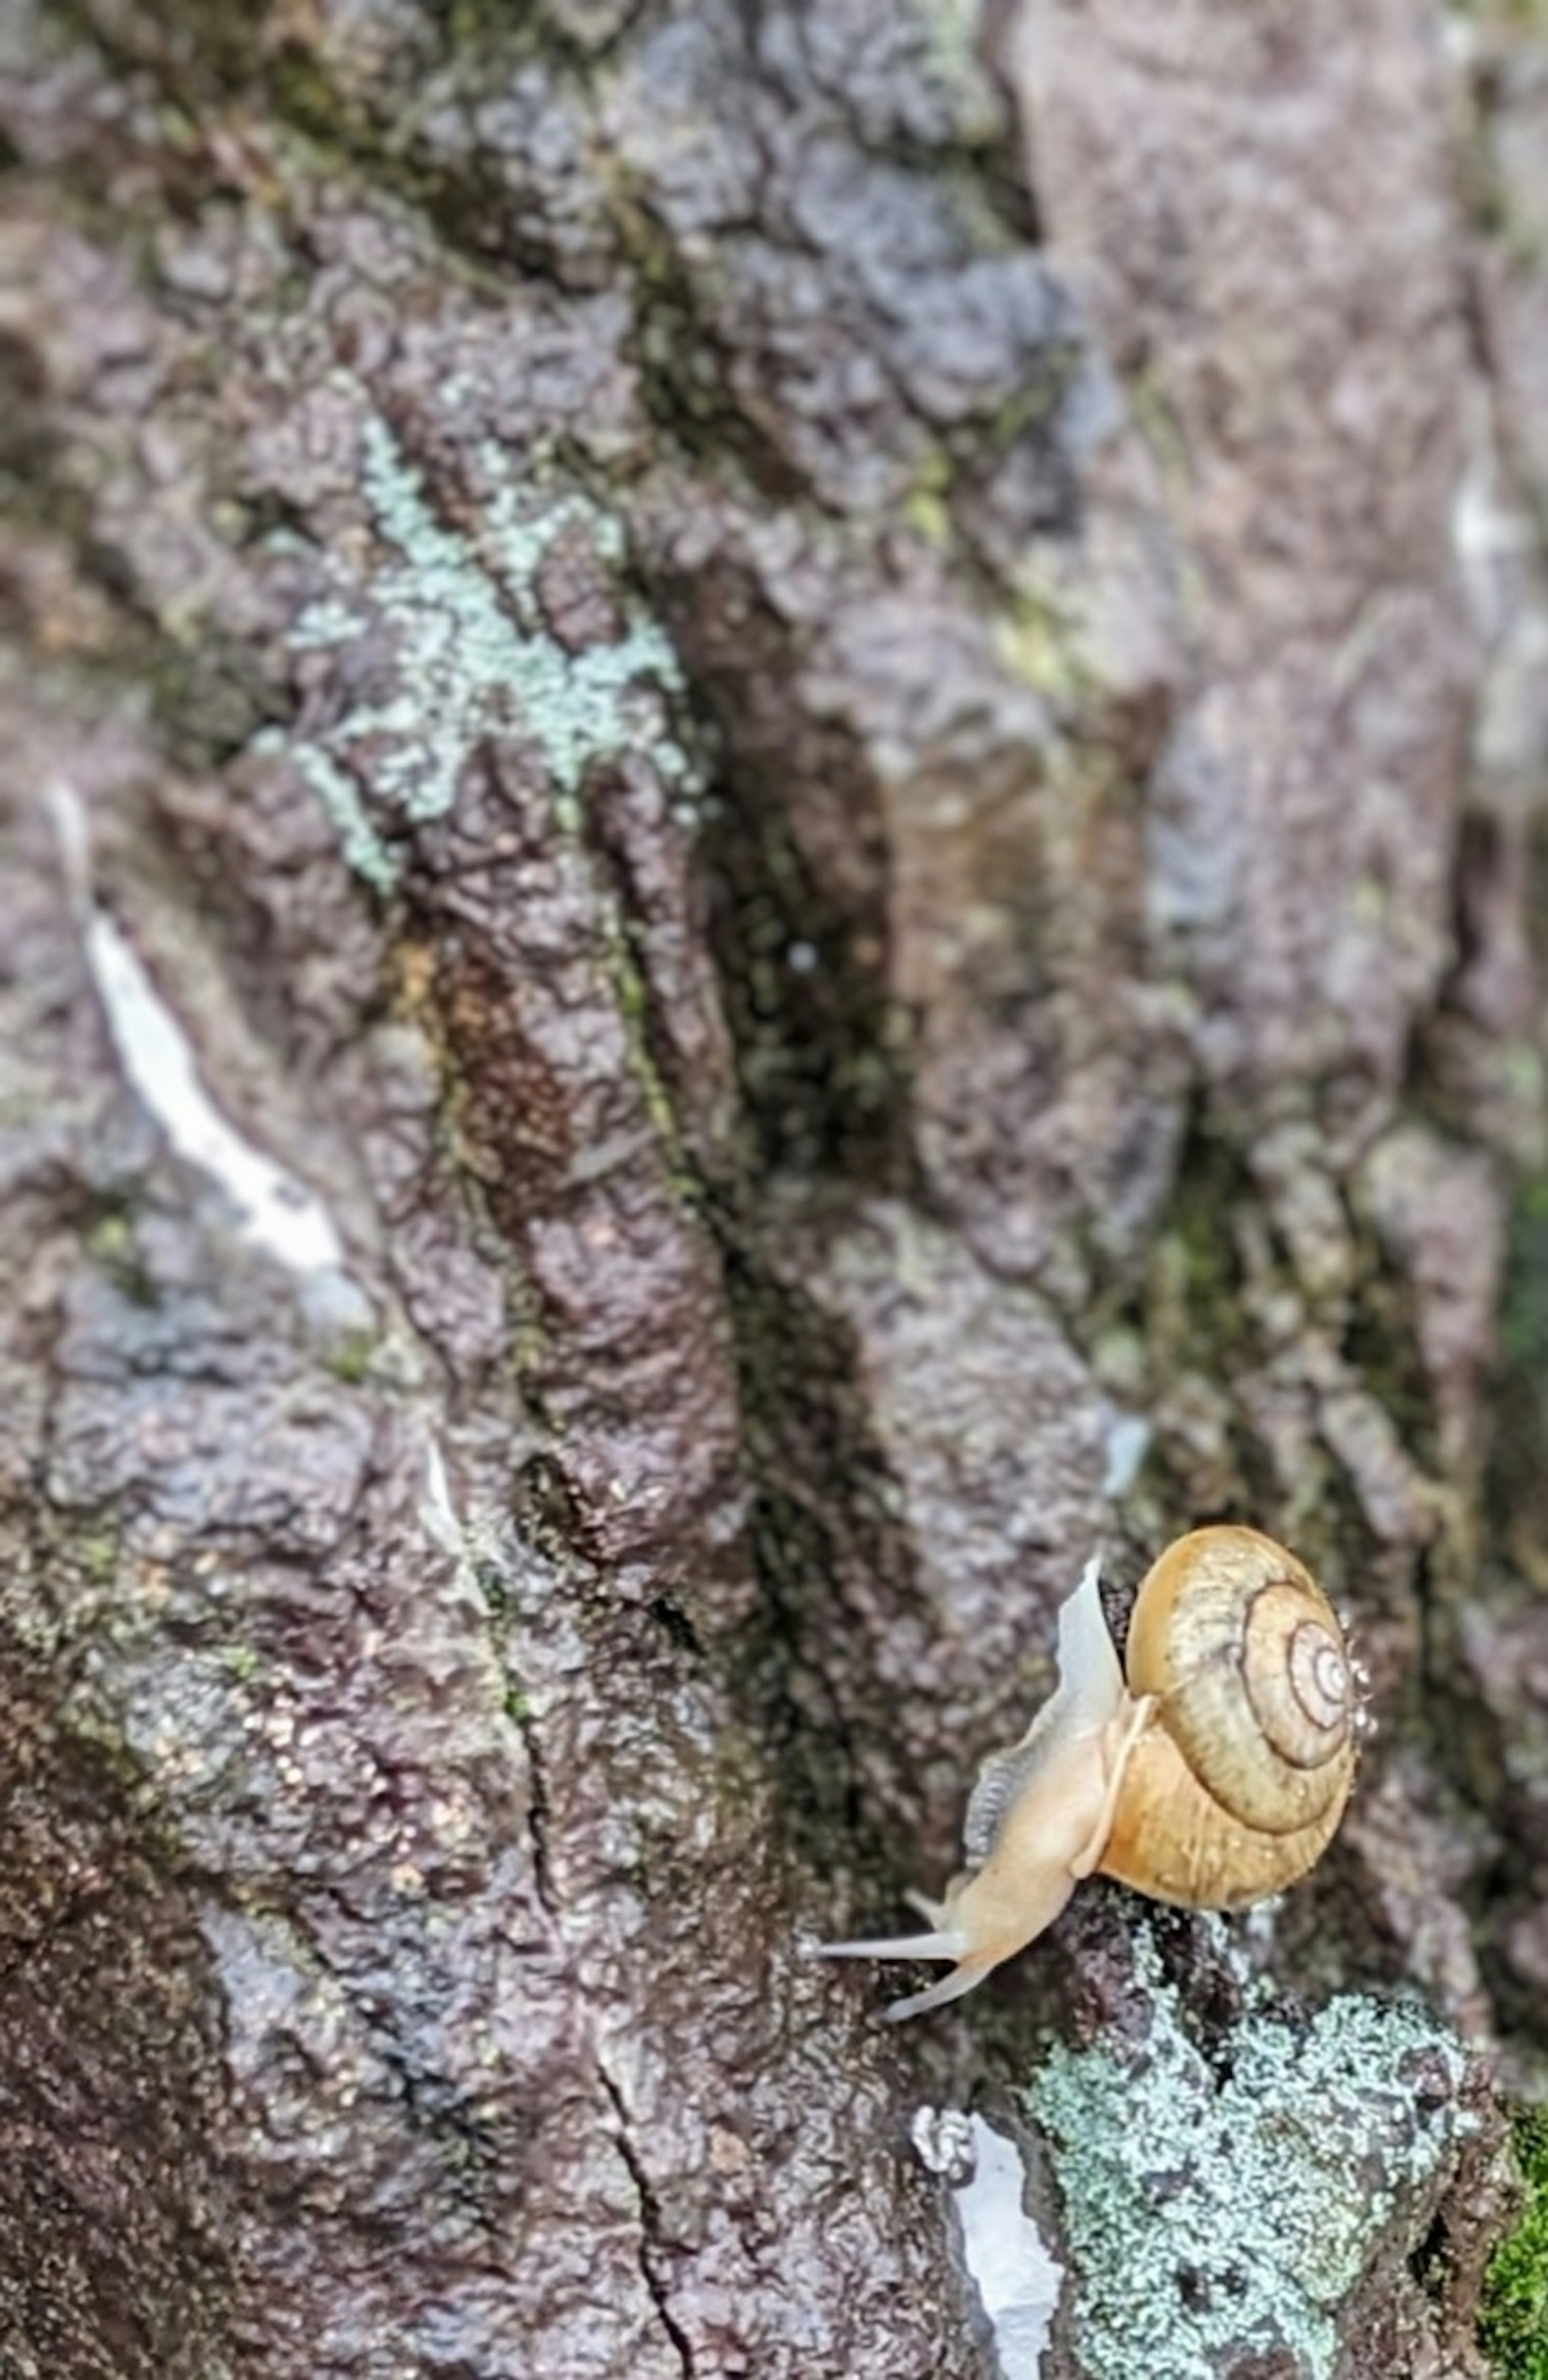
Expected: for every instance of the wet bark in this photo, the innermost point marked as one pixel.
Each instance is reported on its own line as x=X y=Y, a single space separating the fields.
x=832 y=723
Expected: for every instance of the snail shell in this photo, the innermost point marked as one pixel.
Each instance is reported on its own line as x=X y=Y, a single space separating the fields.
x=1212 y=1771
x=1237 y=1787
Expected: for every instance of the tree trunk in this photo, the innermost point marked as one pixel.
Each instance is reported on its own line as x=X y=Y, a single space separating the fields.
x=773 y=783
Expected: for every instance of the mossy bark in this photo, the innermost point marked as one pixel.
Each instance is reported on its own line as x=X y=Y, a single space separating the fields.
x=831 y=719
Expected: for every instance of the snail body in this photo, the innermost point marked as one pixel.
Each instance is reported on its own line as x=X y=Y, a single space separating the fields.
x=1210 y=1772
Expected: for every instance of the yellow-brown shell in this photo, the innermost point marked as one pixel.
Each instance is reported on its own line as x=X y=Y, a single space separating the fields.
x=1237 y=1785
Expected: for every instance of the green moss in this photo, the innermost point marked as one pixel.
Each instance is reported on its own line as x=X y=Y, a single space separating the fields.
x=1210 y=1185
x=1381 y=1344
x=1524 y=1310
x=114 y=1249
x=304 y=93
x=97 y=1552
x=1514 y=15
x=928 y=514
x=1036 y=640
x=1513 y=2318
x=351 y=1360
x=1216 y=2204
x=1194 y=1315
x=954 y=33
x=1517 y=1483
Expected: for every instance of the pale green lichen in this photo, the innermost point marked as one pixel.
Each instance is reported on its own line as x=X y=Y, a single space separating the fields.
x=953 y=32
x=363 y=848
x=1217 y=2206
x=471 y=657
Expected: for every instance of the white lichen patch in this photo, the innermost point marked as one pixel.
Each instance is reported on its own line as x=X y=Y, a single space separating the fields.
x=1016 y=2279
x=274 y=1210
x=1211 y=2209
x=443 y=645
x=436 y=1510
x=1125 y=1444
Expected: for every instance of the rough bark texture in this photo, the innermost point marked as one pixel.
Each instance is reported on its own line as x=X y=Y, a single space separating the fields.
x=838 y=718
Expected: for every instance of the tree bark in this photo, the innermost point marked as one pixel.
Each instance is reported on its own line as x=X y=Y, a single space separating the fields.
x=773 y=781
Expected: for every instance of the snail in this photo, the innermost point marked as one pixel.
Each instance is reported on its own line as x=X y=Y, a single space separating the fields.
x=1214 y=1775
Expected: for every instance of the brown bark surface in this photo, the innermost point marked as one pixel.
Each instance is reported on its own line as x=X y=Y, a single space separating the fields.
x=835 y=720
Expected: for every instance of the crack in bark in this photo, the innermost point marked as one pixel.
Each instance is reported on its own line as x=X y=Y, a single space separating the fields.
x=650 y=2214
x=649 y=2224
x=537 y=1808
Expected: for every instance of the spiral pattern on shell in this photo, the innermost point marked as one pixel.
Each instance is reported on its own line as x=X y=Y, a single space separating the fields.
x=1245 y=1657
